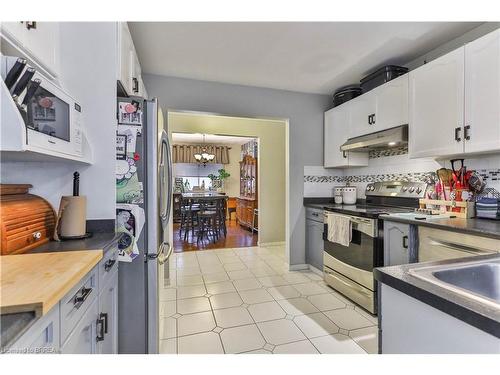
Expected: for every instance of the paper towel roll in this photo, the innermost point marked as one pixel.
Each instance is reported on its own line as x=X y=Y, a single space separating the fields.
x=72 y=216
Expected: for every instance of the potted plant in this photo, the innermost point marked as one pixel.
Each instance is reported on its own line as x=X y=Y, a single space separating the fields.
x=222 y=176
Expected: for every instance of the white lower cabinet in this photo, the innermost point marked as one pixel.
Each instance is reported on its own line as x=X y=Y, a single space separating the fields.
x=82 y=340
x=85 y=321
x=107 y=320
x=396 y=243
x=42 y=337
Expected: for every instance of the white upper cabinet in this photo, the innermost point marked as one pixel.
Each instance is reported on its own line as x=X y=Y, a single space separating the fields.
x=382 y=108
x=363 y=114
x=482 y=94
x=38 y=41
x=125 y=60
x=392 y=104
x=128 y=67
x=437 y=107
x=337 y=131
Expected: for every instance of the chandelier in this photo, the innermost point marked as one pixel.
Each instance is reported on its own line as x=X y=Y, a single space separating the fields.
x=204 y=157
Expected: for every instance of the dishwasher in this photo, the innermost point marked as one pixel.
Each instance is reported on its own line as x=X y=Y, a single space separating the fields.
x=314 y=237
x=437 y=244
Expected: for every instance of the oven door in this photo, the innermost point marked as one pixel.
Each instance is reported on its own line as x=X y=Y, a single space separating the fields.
x=355 y=261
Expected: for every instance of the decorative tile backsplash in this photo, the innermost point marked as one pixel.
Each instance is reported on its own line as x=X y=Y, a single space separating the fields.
x=373 y=154
x=418 y=176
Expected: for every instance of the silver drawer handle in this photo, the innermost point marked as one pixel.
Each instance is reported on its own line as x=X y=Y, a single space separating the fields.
x=109 y=264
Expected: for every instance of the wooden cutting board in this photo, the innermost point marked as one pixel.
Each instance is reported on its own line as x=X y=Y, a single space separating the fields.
x=38 y=281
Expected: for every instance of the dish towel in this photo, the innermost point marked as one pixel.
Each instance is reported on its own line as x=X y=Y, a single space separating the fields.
x=339 y=229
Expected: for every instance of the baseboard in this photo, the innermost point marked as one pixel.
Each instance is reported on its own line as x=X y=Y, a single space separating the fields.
x=270 y=244
x=298 y=267
x=316 y=270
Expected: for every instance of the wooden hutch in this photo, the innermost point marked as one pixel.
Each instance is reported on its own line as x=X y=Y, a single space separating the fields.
x=246 y=203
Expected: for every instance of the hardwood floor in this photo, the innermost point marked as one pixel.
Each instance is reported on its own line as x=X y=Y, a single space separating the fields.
x=237 y=236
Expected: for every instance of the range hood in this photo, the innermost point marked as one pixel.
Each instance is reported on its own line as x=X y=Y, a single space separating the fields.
x=383 y=139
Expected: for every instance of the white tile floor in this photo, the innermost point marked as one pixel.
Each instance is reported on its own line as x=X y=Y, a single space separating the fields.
x=246 y=301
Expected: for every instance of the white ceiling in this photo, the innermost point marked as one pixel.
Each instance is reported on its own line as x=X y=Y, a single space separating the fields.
x=314 y=57
x=197 y=138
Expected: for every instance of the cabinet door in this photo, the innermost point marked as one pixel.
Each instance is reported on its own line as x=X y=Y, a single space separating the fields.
x=42 y=337
x=135 y=76
x=16 y=31
x=314 y=244
x=396 y=243
x=437 y=107
x=363 y=114
x=43 y=43
x=125 y=45
x=392 y=104
x=108 y=313
x=482 y=94
x=82 y=339
x=335 y=134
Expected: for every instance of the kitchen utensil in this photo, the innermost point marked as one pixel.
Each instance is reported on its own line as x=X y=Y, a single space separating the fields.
x=33 y=86
x=476 y=183
x=14 y=72
x=349 y=195
x=72 y=217
x=26 y=220
x=76 y=184
x=23 y=81
x=458 y=173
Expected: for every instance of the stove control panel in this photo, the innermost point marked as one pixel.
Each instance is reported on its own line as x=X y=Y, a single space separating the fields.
x=403 y=189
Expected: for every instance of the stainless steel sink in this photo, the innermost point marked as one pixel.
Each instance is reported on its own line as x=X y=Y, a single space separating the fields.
x=479 y=280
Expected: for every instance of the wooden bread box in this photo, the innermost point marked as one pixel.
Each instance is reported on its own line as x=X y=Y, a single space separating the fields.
x=27 y=220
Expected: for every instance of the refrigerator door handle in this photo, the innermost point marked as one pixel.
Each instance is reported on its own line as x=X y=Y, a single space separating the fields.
x=166 y=186
x=162 y=255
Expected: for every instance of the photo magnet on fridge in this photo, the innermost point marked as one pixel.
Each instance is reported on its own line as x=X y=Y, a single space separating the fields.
x=130 y=113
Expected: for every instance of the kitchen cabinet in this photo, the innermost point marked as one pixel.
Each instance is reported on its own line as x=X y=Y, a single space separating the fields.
x=82 y=340
x=336 y=132
x=482 y=94
x=381 y=108
x=84 y=321
x=107 y=330
x=455 y=101
x=392 y=104
x=410 y=326
x=396 y=243
x=314 y=237
x=363 y=114
x=245 y=212
x=39 y=41
x=128 y=66
x=42 y=337
x=437 y=107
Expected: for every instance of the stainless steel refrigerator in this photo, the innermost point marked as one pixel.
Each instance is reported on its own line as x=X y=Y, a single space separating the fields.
x=140 y=280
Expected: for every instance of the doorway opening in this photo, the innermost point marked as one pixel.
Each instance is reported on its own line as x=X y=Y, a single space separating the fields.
x=245 y=160
x=215 y=199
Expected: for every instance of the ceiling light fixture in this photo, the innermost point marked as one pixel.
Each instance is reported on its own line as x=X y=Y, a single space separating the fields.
x=204 y=157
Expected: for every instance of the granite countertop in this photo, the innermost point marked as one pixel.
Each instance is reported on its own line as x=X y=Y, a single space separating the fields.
x=99 y=241
x=480 y=227
x=480 y=315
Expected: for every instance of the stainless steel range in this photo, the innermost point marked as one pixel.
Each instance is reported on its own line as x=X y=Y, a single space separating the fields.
x=349 y=269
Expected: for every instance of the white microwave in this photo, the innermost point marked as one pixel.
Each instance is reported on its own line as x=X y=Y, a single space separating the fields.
x=52 y=118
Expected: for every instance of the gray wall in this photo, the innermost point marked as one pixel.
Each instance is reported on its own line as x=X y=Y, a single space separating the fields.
x=304 y=111
x=88 y=72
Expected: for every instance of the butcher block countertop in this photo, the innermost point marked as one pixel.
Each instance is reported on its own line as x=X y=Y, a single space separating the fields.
x=36 y=282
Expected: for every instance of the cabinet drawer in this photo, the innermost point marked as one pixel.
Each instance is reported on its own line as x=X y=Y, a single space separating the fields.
x=108 y=266
x=82 y=339
x=74 y=304
x=42 y=337
x=315 y=214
